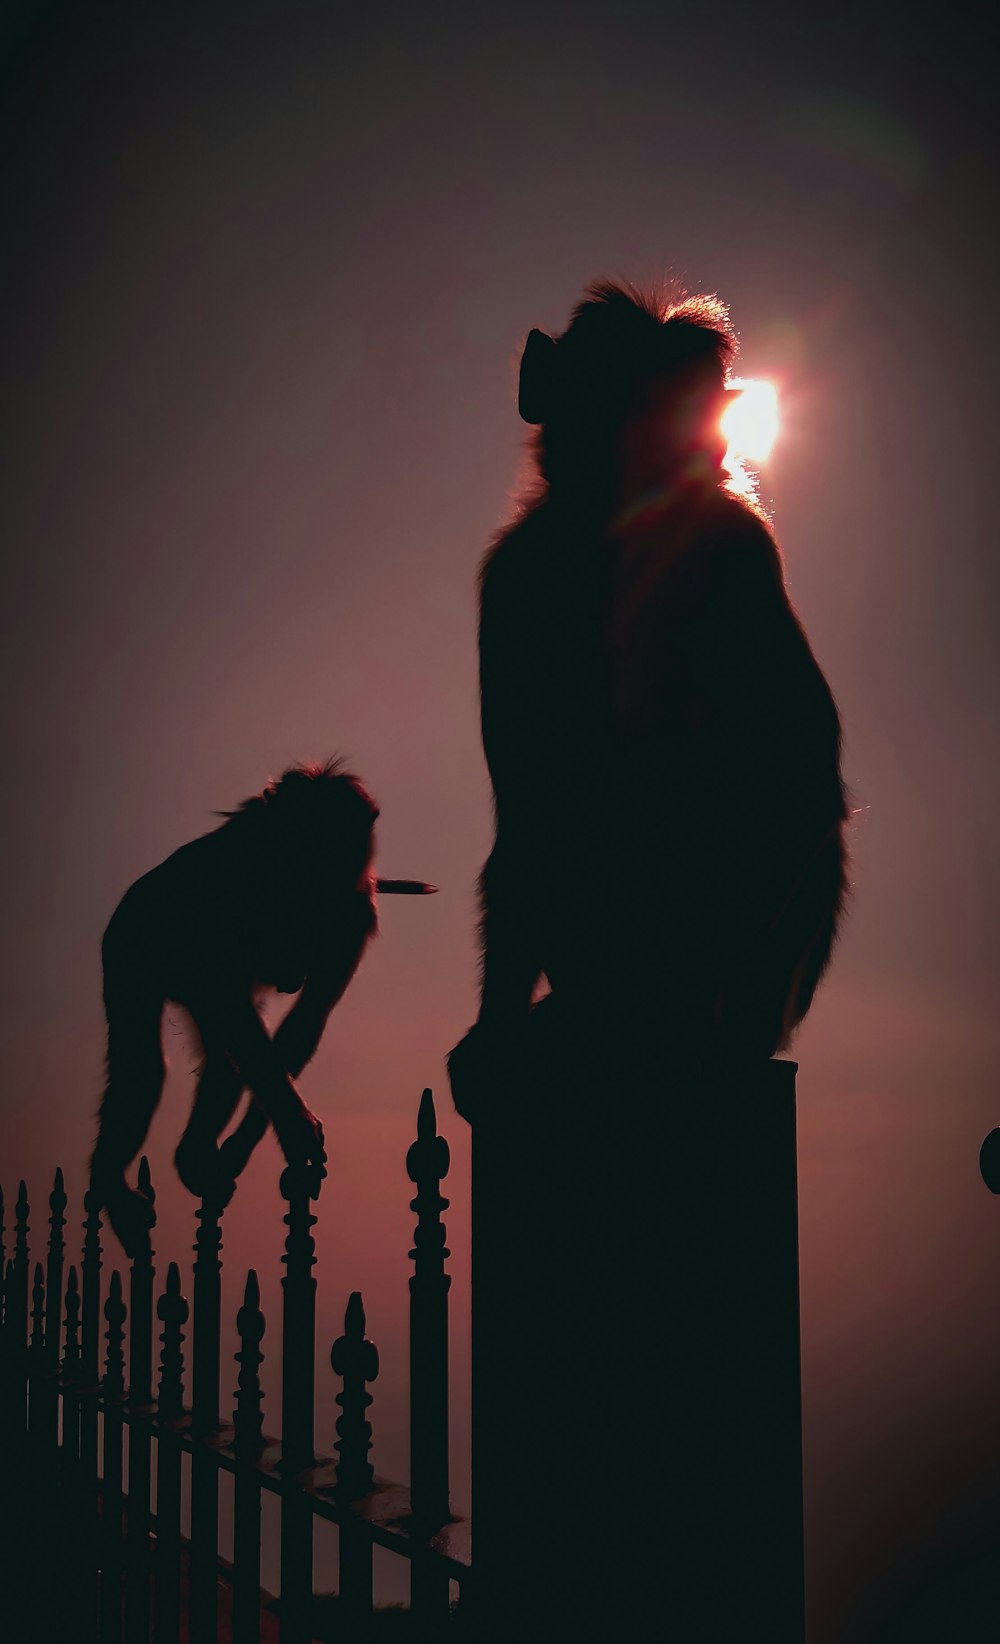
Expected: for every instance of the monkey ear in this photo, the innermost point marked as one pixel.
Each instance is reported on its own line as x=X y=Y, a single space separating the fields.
x=534 y=392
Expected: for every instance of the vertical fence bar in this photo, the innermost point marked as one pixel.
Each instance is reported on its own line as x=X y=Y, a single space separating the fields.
x=71 y=1375
x=172 y=1311
x=90 y=1375
x=90 y=1346
x=427 y=1162
x=8 y=1358
x=248 y=1421
x=299 y=1184
x=20 y=1311
x=53 y=1318
x=355 y=1358
x=37 y=1362
x=205 y=1423
x=77 y=1600
x=112 y=1500
x=140 y=1398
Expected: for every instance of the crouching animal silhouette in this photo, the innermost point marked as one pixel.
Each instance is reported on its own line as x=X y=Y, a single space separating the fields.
x=280 y=897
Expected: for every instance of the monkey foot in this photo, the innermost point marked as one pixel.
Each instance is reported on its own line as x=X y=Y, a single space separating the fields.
x=203 y=1172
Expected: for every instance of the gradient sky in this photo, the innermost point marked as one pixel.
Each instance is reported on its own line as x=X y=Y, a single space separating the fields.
x=267 y=271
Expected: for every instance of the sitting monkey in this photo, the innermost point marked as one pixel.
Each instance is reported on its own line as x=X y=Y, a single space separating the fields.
x=282 y=896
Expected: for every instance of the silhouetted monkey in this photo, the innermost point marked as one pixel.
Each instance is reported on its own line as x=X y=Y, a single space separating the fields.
x=281 y=896
x=663 y=747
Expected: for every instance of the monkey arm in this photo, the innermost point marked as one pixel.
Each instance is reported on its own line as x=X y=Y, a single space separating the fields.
x=295 y=1043
x=235 y=1023
x=297 y=1037
x=511 y=954
x=511 y=961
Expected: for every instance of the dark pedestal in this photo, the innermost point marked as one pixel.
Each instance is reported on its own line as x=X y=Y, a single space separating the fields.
x=636 y=1374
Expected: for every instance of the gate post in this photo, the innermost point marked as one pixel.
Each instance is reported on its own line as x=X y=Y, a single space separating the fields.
x=636 y=1419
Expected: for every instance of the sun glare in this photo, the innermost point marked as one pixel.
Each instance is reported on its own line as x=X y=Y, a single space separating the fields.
x=750 y=421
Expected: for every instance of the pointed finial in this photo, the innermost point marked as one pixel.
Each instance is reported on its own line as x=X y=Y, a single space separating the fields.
x=426 y=1117
x=354 y=1316
x=429 y=1155
x=355 y=1358
x=172 y=1311
x=248 y=1419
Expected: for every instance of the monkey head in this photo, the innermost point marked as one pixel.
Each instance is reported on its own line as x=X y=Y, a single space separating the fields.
x=309 y=849
x=630 y=396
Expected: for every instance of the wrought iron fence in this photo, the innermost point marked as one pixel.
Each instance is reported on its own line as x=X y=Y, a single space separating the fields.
x=131 y=1572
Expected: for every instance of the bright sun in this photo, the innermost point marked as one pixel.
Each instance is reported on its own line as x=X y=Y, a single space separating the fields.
x=750 y=421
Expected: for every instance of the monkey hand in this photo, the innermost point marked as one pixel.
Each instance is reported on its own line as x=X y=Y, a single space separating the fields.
x=483 y=1065
x=300 y=1136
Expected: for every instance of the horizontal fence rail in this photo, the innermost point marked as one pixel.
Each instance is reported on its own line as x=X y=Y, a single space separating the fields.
x=86 y=1414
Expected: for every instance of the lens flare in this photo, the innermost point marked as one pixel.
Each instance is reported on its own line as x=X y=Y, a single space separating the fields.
x=750 y=421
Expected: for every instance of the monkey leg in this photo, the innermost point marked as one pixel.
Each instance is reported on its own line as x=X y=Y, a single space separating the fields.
x=197 y=1157
x=134 y=1085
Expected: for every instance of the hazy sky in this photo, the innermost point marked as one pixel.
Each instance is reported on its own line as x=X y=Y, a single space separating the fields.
x=267 y=271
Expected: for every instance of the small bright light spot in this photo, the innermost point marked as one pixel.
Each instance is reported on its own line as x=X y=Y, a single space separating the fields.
x=750 y=422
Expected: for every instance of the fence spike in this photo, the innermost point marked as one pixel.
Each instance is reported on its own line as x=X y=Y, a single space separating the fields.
x=8 y=1300
x=427 y=1160
x=112 y=1496
x=38 y=1314
x=299 y=1185
x=207 y=1292
x=54 y=1271
x=140 y=1395
x=115 y=1312
x=21 y=1231
x=71 y=1355
x=90 y=1331
x=3 y=1247
x=91 y=1288
x=248 y=1417
x=140 y=1373
x=204 y=1556
x=172 y=1311
x=355 y=1359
